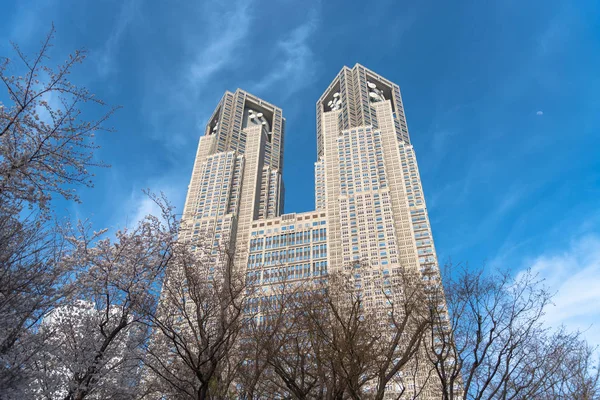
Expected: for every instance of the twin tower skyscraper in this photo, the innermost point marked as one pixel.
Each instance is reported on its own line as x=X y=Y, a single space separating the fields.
x=369 y=199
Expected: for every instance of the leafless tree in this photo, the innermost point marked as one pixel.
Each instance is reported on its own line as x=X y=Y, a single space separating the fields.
x=483 y=338
x=491 y=341
x=337 y=342
x=405 y=321
x=571 y=370
x=197 y=325
x=348 y=337
x=295 y=361
x=271 y=315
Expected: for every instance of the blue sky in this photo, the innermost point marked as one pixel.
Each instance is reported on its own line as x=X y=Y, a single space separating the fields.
x=502 y=102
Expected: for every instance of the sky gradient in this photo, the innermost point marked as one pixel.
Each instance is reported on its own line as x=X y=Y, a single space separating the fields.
x=502 y=102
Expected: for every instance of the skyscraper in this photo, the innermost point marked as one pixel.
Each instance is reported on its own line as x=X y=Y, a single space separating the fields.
x=369 y=206
x=237 y=172
x=367 y=176
x=369 y=199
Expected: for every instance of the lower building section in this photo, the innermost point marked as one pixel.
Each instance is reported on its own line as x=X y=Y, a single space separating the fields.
x=287 y=249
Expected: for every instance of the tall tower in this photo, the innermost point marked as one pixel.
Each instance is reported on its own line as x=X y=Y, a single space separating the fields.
x=237 y=172
x=367 y=179
x=368 y=185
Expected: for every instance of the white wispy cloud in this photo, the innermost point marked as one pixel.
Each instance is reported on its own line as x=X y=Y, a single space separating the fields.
x=556 y=33
x=574 y=274
x=146 y=206
x=105 y=57
x=31 y=20
x=143 y=207
x=210 y=45
x=295 y=65
x=539 y=113
x=139 y=204
x=225 y=32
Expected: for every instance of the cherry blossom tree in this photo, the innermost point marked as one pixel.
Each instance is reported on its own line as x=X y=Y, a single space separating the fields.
x=46 y=149
x=46 y=141
x=33 y=280
x=98 y=338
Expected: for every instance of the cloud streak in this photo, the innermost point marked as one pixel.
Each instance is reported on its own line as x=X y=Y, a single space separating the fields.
x=105 y=57
x=296 y=65
x=139 y=205
x=218 y=49
x=30 y=19
x=574 y=274
x=209 y=38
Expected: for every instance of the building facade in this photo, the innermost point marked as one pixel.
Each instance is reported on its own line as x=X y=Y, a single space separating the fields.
x=368 y=192
x=369 y=200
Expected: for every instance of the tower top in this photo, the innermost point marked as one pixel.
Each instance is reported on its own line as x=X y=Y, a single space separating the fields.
x=239 y=111
x=351 y=94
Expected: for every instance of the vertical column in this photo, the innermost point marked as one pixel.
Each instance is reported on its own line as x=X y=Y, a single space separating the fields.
x=250 y=191
x=332 y=188
x=399 y=201
x=320 y=198
x=206 y=147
